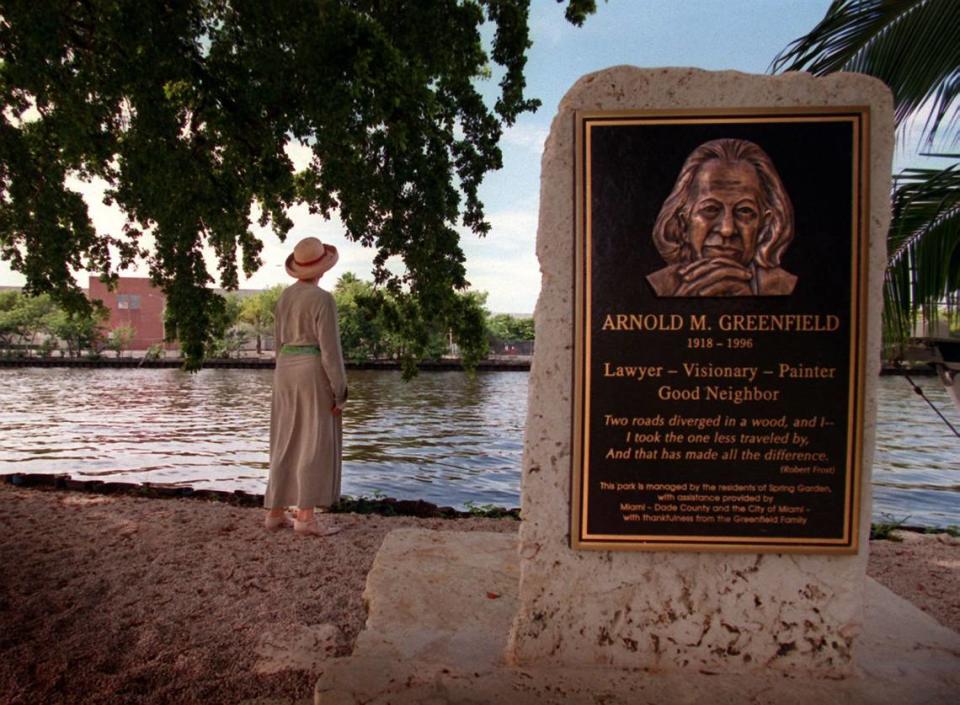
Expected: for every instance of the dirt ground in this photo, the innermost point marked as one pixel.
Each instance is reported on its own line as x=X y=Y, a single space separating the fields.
x=923 y=568
x=128 y=600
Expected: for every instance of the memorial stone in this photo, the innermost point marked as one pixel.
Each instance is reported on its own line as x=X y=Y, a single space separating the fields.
x=702 y=398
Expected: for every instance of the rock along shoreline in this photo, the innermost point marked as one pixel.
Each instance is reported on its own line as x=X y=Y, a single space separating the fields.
x=384 y=506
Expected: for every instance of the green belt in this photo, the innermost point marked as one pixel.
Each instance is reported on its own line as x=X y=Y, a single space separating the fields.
x=300 y=350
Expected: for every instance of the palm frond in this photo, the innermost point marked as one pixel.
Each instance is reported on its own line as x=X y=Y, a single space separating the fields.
x=923 y=265
x=911 y=45
x=946 y=96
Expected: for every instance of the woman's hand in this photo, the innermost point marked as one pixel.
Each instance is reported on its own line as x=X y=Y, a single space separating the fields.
x=336 y=410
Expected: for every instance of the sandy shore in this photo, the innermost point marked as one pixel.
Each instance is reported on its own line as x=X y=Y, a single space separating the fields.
x=118 y=599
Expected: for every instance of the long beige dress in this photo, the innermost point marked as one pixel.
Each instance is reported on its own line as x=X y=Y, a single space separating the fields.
x=305 y=437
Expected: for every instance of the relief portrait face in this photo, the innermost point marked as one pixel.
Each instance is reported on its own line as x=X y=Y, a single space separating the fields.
x=725 y=225
x=725 y=214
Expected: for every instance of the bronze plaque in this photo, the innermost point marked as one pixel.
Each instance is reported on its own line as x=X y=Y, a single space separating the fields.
x=720 y=326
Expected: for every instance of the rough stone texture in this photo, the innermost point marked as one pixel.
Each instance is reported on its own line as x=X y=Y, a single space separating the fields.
x=409 y=614
x=435 y=636
x=703 y=611
x=432 y=601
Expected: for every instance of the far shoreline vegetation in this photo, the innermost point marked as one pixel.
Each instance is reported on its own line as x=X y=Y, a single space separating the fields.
x=374 y=327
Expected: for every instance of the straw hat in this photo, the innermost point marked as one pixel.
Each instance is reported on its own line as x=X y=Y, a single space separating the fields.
x=311 y=258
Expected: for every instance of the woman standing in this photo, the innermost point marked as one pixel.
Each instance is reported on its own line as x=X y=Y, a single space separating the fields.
x=309 y=392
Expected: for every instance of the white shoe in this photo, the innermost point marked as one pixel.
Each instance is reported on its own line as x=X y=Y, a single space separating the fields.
x=313 y=528
x=280 y=522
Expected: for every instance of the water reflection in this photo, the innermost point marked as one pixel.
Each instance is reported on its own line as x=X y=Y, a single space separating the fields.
x=916 y=471
x=445 y=437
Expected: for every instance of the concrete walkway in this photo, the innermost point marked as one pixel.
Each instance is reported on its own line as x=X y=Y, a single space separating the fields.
x=440 y=609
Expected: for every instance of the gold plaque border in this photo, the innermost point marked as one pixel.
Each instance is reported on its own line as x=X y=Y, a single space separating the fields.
x=859 y=117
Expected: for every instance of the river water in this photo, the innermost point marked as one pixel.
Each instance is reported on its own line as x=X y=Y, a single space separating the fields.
x=445 y=437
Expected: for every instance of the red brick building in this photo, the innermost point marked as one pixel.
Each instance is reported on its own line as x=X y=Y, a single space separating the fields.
x=135 y=303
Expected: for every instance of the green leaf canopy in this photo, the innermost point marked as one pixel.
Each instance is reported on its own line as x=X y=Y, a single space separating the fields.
x=185 y=108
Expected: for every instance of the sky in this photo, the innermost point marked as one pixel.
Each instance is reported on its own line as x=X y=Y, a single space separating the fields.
x=744 y=35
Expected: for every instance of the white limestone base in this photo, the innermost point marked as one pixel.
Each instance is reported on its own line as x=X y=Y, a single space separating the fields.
x=696 y=611
x=440 y=607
